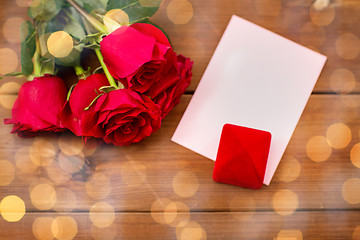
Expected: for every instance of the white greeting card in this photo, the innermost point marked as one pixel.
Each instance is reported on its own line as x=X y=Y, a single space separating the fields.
x=255 y=79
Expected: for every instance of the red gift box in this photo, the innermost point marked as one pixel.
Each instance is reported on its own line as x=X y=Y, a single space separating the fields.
x=242 y=156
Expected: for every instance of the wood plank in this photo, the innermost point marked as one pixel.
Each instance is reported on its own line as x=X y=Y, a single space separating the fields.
x=133 y=178
x=261 y=225
x=199 y=37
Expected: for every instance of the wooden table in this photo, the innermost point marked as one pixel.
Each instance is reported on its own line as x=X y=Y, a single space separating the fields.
x=159 y=190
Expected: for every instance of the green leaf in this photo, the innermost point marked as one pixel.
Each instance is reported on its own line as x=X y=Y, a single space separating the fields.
x=28 y=46
x=45 y=10
x=138 y=10
x=90 y=5
x=75 y=30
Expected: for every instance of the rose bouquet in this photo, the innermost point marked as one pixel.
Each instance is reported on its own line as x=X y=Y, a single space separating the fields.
x=140 y=78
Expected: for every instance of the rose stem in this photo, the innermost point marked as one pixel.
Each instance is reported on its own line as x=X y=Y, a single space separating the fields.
x=110 y=78
x=80 y=72
x=106 y=70
x=93 y=21
x=37 y=64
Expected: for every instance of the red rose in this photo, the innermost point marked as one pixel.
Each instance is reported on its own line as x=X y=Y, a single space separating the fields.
x=82 y=95
x=38 y=106
x=141 y=57
x=171 y=96
x=121 y=117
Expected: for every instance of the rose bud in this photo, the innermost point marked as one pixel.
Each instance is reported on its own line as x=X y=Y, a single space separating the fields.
x=38 y=106
x=141 y=57
x=121 y=117
x=171 y=96
x=81 y=97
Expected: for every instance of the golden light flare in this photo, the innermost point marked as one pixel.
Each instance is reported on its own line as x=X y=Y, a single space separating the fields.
x=98 y=186
x=351 y=191
x=102 y=214
x=289 y=234
x=289 y=169
x=190 y=230
x=7 y=173
x=71 y=164
x=11 y=29
x=347 y=46
x=312 y=34
x=64 y=228
x=10 y=88
x=65 y=200
x=268 y=7
x=285 y=202
x=43 y=196
x=342 y=80
x=108 y=233
x=57 y=174
x=70 y=145
x=185 y=184
x=12 y=208
x=318 y=148
x=7 y=101
x=339 y=135
x=322 y=17
x=60 y=44
x=180 y=11
x=42 y=152
x=115 y=18
x=355 y=155
x=9 y=57
x=133 y=173
x=242 y=206
x=42 y=228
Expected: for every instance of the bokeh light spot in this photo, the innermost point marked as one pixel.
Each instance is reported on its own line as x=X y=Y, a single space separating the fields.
x=185 y=184
x=285 y=202
x=70 y=145
x=43 y=196
x=98 y=186
x=102 y=214
x=318 y=148
x=342 y=81
x=322 y=17
x=115 y=18
x=351 y=191
x=180 y=11
x=242 y=206
x=11 y=29
x=64 y=228
x=289 y=169
x=9 y=57
x=347 y=46
x=42 y=228
x=12 y=208
x=60 y=44
x=339 y=135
